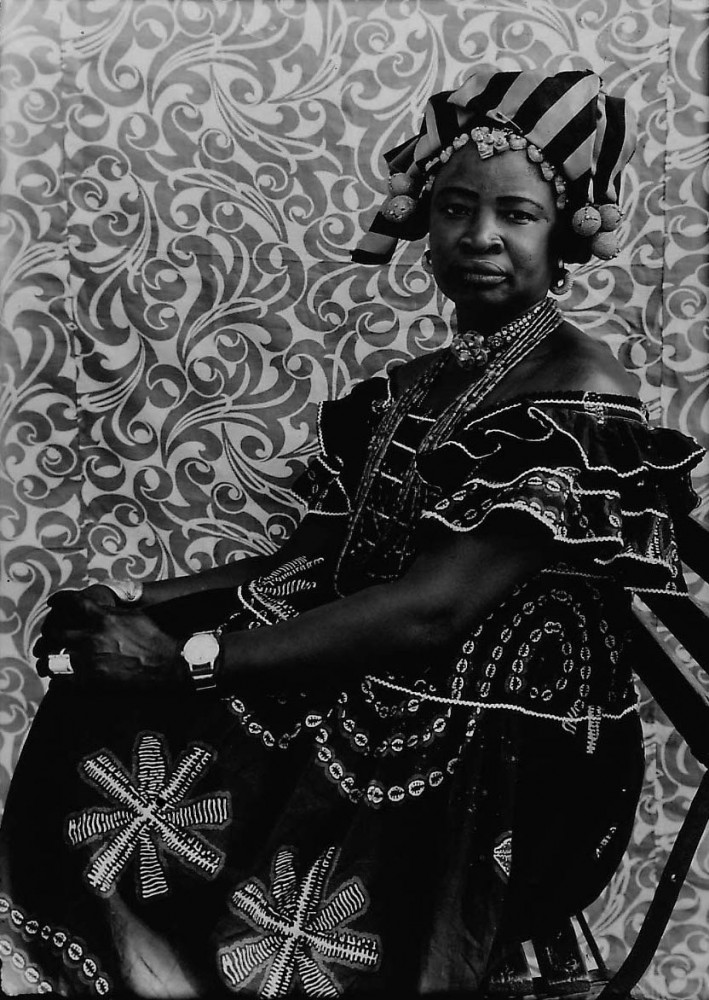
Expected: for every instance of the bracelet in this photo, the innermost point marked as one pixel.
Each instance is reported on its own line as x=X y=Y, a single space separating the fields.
x=128 y=591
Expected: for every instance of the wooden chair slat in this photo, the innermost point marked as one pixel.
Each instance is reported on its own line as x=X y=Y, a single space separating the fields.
x=561 y=965
x=693 y=544
x=671 y=682
x=685 y=619
x=593 y=947
x=665 y=897
x=686 y=703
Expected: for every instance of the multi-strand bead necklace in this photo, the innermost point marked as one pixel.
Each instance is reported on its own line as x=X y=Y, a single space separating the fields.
x=504 y=350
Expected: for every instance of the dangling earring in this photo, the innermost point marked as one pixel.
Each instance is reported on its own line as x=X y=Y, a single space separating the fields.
x=562 y=280
x=426 y=262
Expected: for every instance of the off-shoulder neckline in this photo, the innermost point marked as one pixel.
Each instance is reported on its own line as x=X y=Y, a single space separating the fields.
x=578 y=397
x=582 y=397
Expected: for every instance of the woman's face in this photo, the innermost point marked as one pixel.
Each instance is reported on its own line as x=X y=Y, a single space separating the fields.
x=491 y=232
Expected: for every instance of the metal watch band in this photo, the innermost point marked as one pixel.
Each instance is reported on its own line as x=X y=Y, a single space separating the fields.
x=202 y=674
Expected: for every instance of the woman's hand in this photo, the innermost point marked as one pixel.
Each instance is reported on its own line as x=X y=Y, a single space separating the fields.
x=67 y=612
x=125 y=648
x=115 y=647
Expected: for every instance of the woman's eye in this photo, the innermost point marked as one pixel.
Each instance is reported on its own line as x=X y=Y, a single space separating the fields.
x=455 y=210
x=517 y=215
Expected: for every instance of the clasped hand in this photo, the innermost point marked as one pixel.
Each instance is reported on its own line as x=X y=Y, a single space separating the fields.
x=110 y=646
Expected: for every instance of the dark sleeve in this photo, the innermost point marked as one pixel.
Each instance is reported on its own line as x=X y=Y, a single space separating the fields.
x=329 y=484
x=605 y=485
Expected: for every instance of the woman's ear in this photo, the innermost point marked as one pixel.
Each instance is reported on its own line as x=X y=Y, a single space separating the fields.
x=568 y=245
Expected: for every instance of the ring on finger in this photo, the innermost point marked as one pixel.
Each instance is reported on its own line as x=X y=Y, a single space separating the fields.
x=59 y=664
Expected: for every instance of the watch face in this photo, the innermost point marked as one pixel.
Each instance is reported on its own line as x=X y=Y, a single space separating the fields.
x=201 y=648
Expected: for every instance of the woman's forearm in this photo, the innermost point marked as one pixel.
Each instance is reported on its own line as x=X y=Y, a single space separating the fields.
x=409 y=623
x=313 y=536
x=370 y=630
x=230 y=575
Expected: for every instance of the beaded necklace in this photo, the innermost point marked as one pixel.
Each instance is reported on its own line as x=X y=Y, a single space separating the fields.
x=531 y=328
x=542 y=320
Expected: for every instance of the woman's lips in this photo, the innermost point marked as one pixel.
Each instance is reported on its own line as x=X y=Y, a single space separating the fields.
x=482 y=274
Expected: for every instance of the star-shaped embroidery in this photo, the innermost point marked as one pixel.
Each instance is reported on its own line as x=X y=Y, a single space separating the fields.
x=297 y=932
x=151 y=816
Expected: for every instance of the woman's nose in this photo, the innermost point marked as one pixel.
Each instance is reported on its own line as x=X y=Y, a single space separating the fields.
x=482 y=233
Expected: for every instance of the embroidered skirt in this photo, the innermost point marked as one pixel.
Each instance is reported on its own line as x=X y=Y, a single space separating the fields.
x=161 y=849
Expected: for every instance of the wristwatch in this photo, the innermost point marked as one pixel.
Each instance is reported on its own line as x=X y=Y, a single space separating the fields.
x=201 y=652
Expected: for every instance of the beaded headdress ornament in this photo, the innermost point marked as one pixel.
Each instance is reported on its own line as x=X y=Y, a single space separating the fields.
x=580 y=137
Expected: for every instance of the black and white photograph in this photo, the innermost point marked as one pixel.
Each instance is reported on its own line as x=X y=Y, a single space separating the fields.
x=354 y=499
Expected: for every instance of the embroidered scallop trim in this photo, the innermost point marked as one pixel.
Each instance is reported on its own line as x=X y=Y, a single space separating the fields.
x=669 y=589
x=559 y=534
x=500 y=432
x=316 y=496
x=634 y=557
x=639 y=470
x=617 y=558
x=564 y=401
x=318 y=428
x=560 y=472
x=501 y=706
x=549 y=522
x=564 y=570
x=646 y=510
x=574 y=489
x=334 y=472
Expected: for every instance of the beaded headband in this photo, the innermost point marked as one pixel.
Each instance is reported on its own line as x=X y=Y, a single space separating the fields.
x=580 y=138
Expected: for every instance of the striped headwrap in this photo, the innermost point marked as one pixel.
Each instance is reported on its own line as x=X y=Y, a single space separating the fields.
x=583 y=133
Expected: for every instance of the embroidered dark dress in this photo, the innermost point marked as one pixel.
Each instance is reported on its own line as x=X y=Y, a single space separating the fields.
x=382 y=837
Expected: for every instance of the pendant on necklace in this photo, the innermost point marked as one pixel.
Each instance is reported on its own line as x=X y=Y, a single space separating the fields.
x=474 y=350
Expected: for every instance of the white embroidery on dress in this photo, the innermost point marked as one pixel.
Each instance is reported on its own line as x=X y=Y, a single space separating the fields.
x=72 y=951
x=505 y=706
x=265 y=597
x=296 y=932
x=502 y=853
x=151 y=817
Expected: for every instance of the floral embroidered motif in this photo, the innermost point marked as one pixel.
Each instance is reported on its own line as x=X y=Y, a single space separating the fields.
x=297 y=932
x=151 y=816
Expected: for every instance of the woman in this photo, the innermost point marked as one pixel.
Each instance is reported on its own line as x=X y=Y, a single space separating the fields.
x=433 y=749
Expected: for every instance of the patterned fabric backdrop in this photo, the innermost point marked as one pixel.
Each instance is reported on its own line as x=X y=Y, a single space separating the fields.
x=182 y=181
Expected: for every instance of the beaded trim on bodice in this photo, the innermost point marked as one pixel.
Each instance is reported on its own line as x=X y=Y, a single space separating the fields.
x=383 y=543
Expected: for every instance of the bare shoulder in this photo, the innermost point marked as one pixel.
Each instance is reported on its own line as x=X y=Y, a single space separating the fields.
x=572 y=361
